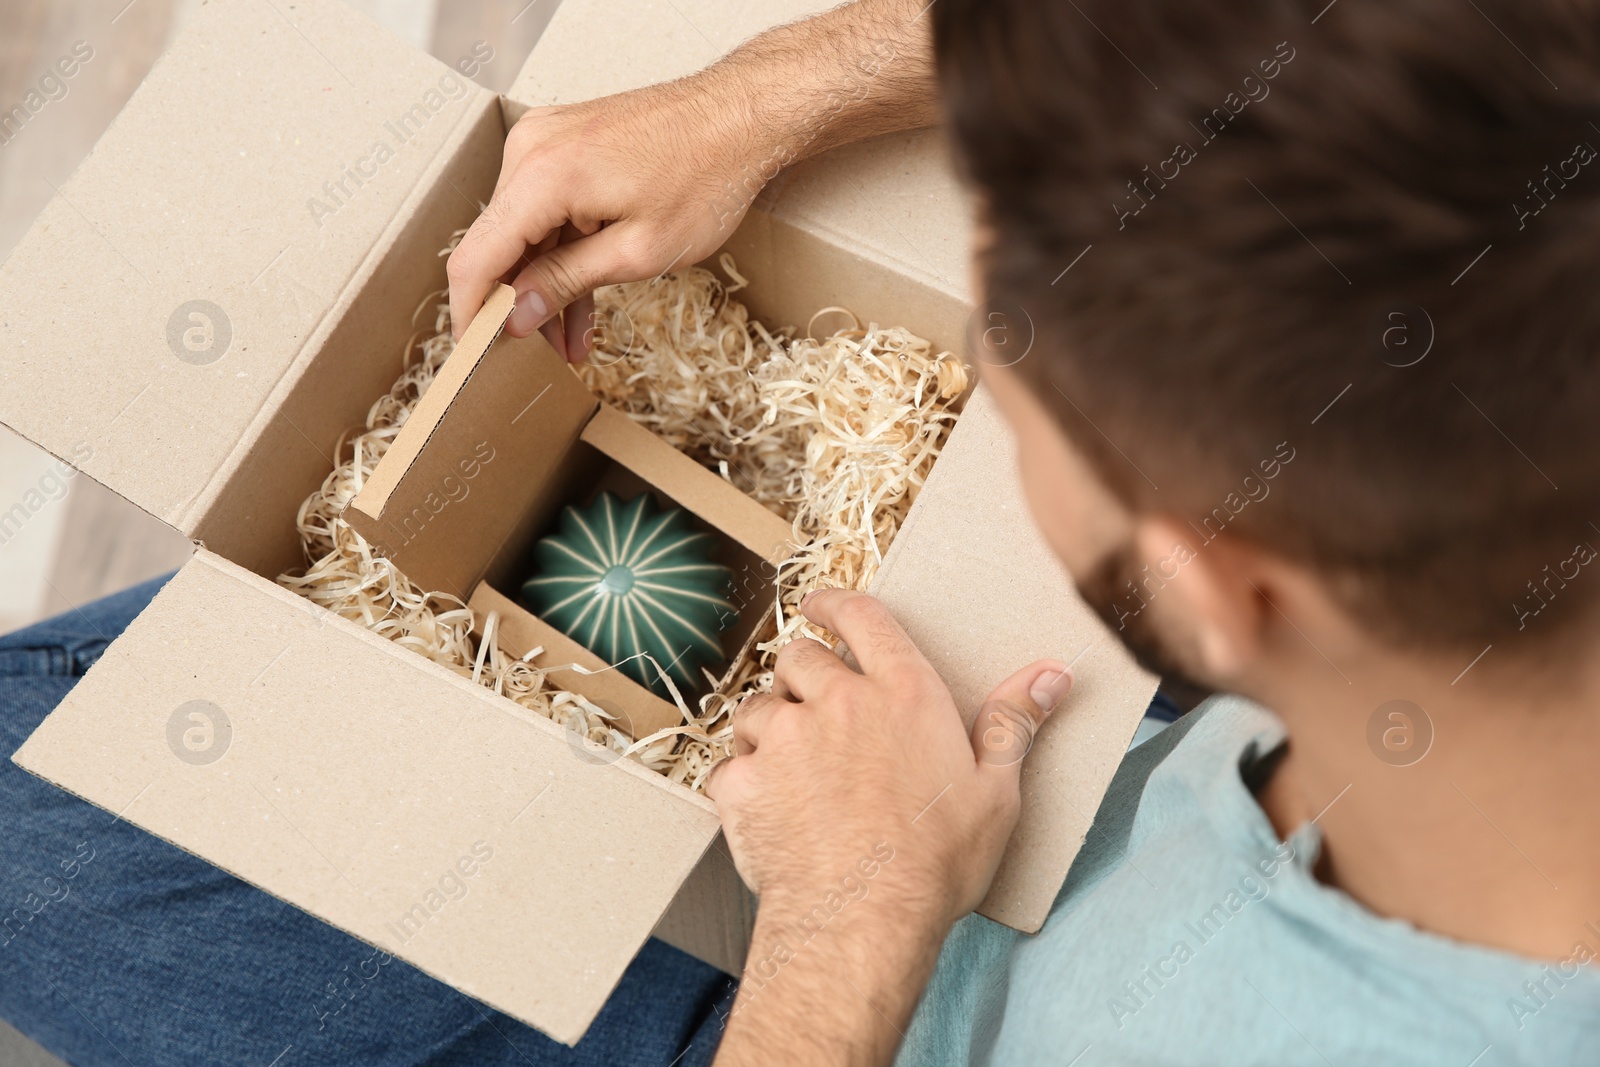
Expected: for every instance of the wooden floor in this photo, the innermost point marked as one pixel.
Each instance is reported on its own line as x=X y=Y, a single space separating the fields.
x=92 y=542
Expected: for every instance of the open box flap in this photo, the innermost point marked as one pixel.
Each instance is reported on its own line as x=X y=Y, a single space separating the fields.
x=173 y=280
x=348 y=776
x=895 y=205
x=971 y=541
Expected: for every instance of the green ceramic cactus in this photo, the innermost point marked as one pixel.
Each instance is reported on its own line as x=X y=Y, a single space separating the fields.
x=623 y=579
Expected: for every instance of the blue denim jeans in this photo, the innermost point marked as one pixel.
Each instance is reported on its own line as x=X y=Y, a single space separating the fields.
x=119 y=949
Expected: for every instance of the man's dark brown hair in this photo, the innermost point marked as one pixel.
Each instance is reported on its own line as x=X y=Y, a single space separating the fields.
x=1367 y=235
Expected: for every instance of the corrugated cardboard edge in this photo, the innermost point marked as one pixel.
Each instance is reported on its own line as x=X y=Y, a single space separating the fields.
x=480 y=460
x=419 y=426
x=713 y=915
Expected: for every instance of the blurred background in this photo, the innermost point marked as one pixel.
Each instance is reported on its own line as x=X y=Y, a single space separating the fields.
x=92 y=542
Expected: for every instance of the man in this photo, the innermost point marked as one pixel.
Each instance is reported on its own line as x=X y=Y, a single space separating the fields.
x=1309 y=422
x=1296 y=422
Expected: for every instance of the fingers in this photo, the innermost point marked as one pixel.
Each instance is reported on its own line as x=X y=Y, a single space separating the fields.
x=804 y=667
x=570 y=333
x=1008 y=721
x=750 y=718
x=874 y=637
x=493 y=245
x=559 y=277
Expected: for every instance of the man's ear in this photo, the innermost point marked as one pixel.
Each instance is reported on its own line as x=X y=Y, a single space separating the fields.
x=1212 y=603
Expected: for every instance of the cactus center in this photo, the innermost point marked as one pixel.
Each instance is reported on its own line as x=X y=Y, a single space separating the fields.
x=618 y=581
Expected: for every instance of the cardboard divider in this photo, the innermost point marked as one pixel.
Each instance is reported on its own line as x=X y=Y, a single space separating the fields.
x=694 y=488
x=479 y=460
x=518 y=631
x=616 y=455
x=403 y=454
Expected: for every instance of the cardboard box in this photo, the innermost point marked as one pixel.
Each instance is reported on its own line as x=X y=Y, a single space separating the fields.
x=220 y=291
x=512 y=414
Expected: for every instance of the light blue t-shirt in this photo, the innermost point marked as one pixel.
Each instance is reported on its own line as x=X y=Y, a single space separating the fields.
x=1187 y=933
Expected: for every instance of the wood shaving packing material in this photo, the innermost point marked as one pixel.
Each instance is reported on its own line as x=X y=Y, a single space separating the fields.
x=837 y=435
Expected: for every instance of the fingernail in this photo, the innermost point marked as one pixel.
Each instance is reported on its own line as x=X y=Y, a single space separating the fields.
x=528 y=314
x=1049 y=688
x=807 y=598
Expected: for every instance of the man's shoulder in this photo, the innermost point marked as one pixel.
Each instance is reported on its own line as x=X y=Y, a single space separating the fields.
x=1194 y=757
x=1189 y=931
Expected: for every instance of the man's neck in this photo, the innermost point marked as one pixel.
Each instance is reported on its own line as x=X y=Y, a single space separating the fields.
x=1486 y=833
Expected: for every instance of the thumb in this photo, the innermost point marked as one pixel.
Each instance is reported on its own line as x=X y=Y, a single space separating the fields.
x=1006 y=724
x=562 y=275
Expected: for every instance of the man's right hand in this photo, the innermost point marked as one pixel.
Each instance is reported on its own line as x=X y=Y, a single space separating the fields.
x=631 y=186
x=618 y=189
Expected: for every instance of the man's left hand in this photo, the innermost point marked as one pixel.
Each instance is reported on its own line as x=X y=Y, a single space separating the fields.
x=839 y=773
